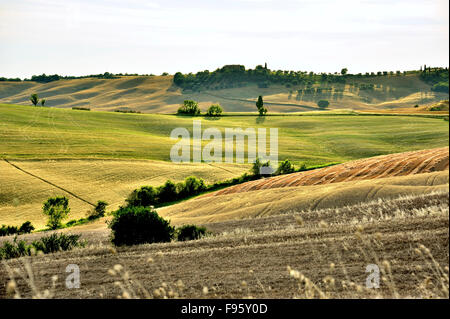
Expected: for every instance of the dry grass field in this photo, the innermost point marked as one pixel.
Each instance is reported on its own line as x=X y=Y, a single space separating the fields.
x=157 y=94
x=399 y=164
x=303 y=235
x=281 y=200
x=87 y=181
x=312 y=254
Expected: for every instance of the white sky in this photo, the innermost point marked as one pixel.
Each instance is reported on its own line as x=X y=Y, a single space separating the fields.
x=139 y=36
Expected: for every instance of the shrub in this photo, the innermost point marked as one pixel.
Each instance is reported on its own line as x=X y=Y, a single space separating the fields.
x=48 y=244
x=214 y=110
x=13 y=250
x=139 y=225
x=144 y=196
x=167 y=192
x=191 y=186
x=257 y=166
x=11 y=230
x=56 y=208
x=189 y=107
x=26 y=228
x=126 y=111
x=440 y=87
x=81 y=108
x=190 y=232
x=323 y=104
x=8 y=230
x=56 y=242
x=98 y=211
x=285 y=167
x=71 y=222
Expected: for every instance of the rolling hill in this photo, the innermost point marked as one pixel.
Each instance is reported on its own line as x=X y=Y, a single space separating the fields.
x=158 y=94
x=91 y=156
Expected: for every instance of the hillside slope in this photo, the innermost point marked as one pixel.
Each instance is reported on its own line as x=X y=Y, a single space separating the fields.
x=266 y=202
x=337 y=186
x=399 y=164
x=26 y=185
x=158 y=94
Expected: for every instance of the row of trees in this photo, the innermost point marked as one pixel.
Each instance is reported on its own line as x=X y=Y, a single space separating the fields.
x=438 y=77
x=191 y=107
x=237 y=76
x=43 y=78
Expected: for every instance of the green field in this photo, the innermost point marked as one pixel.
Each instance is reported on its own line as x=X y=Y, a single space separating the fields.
x=48 y=133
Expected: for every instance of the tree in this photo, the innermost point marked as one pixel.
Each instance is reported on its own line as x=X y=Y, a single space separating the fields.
x=178 y=78
x=99 y=210
x=257 y=167
x=42 y=102
x=260 y=105
x=285 y=167
x=323 y=104
x=193 y=186
x=214 y=110
x=57 y=209
x=189 y=107
x=26 y=228
x=144 y=196
x=167 y=192
x=138 y=225
x=344 y=71
x=34 y=99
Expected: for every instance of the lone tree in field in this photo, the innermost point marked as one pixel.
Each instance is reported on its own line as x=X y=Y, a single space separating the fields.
x=34 y=99
x=323 y=104
x=42 y=102
x=344 y=71
x=260 y=105
x=56 y=208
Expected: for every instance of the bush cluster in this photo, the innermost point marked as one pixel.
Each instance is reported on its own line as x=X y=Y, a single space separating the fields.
x=142 y=225
x=169 y=192
x=190 y=232
x=134 y=225
x=214 y=110
x=26 y=228
x=49 y=244
x=189 y=107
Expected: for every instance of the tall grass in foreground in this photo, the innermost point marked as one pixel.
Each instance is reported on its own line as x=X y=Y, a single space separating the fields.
x=410 y=270
x=432 y=284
